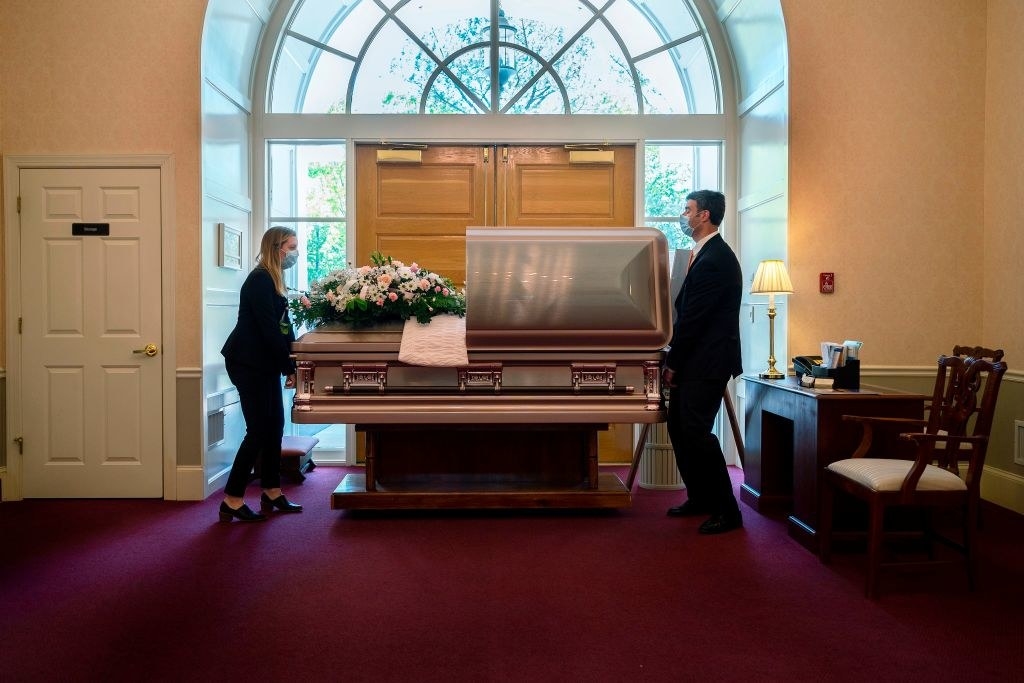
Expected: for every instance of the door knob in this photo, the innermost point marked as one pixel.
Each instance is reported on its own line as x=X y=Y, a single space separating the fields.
x=150 y=350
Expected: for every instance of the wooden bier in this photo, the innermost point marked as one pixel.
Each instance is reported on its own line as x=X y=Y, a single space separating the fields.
x=565 y=331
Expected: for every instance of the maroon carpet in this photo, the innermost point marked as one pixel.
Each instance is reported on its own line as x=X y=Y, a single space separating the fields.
x=152 y=590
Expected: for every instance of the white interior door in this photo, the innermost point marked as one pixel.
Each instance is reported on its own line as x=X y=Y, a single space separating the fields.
x=90 y=304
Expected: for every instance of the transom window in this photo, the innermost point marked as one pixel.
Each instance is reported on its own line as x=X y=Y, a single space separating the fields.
x=623 y=57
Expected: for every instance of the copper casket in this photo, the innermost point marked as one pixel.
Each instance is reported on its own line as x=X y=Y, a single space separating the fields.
x=565 y=332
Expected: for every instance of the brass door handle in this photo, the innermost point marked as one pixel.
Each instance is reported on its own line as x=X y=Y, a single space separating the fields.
x=150 y=350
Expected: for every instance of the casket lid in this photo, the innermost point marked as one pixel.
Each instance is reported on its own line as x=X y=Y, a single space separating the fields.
x=567 y=288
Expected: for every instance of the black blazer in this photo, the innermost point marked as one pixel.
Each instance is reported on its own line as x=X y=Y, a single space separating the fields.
x=706 y=336
x=263 y=335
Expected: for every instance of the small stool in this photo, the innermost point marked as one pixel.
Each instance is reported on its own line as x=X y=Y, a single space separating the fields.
x=297 y=456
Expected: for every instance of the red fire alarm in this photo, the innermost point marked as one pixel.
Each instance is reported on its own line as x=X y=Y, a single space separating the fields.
x=826 y=283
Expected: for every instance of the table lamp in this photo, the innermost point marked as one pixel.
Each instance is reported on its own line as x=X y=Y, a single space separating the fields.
x=771 y=279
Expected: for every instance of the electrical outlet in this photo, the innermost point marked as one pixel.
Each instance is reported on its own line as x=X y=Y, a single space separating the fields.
x=1018 y=442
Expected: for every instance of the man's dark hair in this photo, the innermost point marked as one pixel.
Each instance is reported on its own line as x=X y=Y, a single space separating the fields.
x=710 y=201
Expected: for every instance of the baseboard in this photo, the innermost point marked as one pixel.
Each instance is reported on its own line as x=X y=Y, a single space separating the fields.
x=190 y=484
x=1003 y=488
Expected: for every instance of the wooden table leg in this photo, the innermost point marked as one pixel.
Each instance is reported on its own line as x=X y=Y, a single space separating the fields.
x=371 y=460
x=735 y=428
x=637 y=453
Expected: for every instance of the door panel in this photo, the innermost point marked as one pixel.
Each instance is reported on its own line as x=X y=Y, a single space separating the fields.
x=542 y=188
x=91 y=405
x=420 y=211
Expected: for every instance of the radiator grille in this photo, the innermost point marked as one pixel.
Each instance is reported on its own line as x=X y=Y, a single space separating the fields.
x=214 y=428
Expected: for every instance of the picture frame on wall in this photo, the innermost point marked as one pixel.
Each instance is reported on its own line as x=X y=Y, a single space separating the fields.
x=230 y=246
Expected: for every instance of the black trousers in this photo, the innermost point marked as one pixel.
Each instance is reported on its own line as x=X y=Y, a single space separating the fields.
x=259 y=392
x=692 y=407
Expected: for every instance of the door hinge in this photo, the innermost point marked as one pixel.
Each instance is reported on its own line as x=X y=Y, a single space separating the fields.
x=19 y=203
x=504 y=154
x=19 y=324
x=21 y=442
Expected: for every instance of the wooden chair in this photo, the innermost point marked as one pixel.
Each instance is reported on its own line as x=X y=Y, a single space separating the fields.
x=994 y=355
x=960 y=413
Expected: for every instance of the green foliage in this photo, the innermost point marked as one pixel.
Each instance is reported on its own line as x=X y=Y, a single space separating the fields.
x=665 y=189
x=325 y=243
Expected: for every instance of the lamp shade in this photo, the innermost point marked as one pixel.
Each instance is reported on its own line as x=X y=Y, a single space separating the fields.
x=771 y=278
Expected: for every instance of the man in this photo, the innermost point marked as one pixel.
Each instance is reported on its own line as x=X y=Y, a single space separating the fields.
x=703 y=356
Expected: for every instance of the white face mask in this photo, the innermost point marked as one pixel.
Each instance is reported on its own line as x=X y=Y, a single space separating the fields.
x=289 y=260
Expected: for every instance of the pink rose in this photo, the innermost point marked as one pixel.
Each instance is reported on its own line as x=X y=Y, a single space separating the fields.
x=306 y=303
x=392 y=296
x=445 y=291
x=424 y=284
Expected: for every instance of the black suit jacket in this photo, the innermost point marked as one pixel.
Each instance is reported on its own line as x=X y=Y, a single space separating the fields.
x=258 y=340
x=706 y=336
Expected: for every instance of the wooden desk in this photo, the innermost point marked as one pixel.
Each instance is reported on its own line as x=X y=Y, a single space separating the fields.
x=792 y=433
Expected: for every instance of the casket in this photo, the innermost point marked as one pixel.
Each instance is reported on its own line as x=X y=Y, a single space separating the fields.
x=565 y=332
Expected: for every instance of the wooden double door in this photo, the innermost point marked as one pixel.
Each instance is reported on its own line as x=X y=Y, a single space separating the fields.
x=418 y=207
x=415 y=205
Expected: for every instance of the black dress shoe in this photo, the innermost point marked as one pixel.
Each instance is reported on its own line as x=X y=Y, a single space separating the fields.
x=687 y=509
x=280 y=504
x=242 y=514
x=719 y=524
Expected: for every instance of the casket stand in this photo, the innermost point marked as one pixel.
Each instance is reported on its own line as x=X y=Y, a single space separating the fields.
x=565 y=335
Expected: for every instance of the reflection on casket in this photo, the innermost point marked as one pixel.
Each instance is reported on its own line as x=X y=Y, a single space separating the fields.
x=565 y=331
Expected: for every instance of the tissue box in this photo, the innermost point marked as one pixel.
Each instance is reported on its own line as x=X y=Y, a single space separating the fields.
x=844 y=377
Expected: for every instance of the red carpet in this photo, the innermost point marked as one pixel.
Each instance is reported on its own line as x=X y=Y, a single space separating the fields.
x=152 y=590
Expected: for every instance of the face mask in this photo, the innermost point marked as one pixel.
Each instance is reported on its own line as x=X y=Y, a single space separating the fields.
x=289 y=260
x=687 y=230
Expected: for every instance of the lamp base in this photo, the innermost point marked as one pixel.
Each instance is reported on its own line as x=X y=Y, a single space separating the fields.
x=772 y=374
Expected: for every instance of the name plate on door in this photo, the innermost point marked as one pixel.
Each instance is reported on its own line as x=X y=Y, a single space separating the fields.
x=90 y=229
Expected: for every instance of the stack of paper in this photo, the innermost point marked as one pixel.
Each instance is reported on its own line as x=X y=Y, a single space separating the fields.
x=833 y=355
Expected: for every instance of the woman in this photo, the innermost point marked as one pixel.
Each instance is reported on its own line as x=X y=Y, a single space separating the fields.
x=256 y=354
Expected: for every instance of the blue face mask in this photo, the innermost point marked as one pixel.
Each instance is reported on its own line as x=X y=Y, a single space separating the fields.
x=687 y=230
x=289 y=260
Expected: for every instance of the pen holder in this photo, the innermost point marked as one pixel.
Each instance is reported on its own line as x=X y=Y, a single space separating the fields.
x=845 y=377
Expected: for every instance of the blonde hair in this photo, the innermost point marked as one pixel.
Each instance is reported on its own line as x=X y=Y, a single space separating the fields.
x=270 y=254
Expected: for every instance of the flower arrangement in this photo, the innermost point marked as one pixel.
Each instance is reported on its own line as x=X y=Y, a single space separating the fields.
x=368 y=295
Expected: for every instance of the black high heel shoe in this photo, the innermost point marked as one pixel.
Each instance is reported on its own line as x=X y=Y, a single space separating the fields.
x=280 y=503
x=242 y=514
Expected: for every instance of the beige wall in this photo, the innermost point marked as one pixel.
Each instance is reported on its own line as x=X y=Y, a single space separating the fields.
x=1004 y=181
x=904 y=169
x=887 y=175
x=905 y=181
x=112 y=77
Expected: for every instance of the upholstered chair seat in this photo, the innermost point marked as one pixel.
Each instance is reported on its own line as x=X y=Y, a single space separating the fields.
x=880 y=474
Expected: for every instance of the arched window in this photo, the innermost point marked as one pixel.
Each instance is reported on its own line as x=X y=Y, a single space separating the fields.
x=331 y=73
x=566 y=57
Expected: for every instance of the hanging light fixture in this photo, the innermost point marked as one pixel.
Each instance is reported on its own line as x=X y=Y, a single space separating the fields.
x=506 y=55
